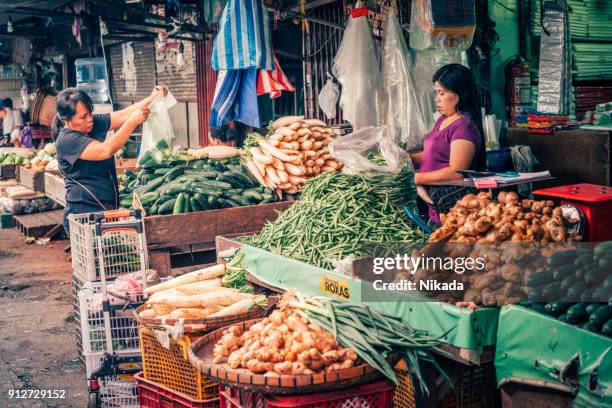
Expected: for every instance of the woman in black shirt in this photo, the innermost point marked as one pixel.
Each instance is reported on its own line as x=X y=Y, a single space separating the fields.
x=86 y=155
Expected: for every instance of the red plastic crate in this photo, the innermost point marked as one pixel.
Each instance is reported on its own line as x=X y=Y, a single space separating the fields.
x=595 y=202
x=152 y=395
x=375 y=395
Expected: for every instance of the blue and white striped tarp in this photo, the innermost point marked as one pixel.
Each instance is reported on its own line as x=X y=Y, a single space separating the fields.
x=244 y=39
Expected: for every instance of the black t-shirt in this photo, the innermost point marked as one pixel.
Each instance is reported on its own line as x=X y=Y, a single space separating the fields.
x=99 y=177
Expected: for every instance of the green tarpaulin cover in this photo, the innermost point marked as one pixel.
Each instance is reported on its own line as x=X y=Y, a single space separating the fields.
x=537 y=347
x=470 y=329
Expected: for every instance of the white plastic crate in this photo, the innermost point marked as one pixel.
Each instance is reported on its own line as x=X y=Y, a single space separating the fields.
x=123 y=249
x=123 y=326
x=118 y=391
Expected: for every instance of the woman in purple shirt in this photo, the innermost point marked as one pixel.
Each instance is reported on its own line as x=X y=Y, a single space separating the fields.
x=456 y=141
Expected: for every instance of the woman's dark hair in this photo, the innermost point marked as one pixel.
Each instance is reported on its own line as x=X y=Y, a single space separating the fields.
x=66 y=104
x=7 y=103
x=460 y=80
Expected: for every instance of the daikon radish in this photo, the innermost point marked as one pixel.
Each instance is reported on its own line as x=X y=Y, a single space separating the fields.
x=320 y=162
x=270 y=183
x=304 y=132
x=275 y=143
x=285 y=145
x=295 y=126
x=200 y=287
x=285 y=186
x=276 y=136
x=161 y=309
x=326 y=169
x=255 y=171
x=285 y=131
x=199 y=275
x=294 y=170
x=240 y=307
x=286 y=121
x=315 y=122
x=307 y=145
x=260 y=156
x=182 y=300
x=295 y=180
x=275 y=151
x=282 y=174
x=148 y=314
x=189 y=313
x=221 y=152
x=261 y=167
x=224 y=299
x=278 y=165
x=271 y=173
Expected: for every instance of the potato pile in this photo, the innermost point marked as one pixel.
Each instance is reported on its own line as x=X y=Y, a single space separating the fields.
x=477 y=218
x=285 y=343
x=295 y=151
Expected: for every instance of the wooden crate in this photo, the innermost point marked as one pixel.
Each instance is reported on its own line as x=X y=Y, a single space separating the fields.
x=125 y=164
x=8 y=171
x=199 y=229
x=55 y=188
x=520 y=395
x=38 y=224
x=34 y=180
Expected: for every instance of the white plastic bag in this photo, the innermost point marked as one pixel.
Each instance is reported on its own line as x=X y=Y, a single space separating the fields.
x=357 y=69
x=158 y=125
x=353 y=148
x=328 y=98
x=403 y=113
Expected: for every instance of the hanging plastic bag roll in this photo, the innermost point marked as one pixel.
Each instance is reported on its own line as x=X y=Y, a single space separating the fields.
x=357 y=69
x=328 y=98
x=158 y=125
x=403 y=113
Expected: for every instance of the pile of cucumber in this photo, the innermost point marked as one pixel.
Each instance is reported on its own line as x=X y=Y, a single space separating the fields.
x=577 y=275
x=197 y=185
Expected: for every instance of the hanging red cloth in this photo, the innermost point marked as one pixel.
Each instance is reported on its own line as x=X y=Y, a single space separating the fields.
x=273 y=82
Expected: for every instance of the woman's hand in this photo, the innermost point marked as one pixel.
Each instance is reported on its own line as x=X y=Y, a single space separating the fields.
x=157 y=90
x=139 y=115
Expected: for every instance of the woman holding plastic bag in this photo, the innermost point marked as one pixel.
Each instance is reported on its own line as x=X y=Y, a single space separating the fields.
x=456 y=141
x=84 y=152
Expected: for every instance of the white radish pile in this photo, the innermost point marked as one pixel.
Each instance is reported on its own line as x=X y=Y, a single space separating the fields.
x=197 y=294
x=296 y=151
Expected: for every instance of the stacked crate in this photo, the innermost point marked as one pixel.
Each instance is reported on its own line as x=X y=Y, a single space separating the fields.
x=106 y=333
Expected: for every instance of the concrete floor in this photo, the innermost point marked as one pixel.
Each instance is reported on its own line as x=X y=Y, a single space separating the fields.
x=37 y=332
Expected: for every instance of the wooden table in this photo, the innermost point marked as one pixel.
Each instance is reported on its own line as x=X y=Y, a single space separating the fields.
x=573 y=156
x=55 y=188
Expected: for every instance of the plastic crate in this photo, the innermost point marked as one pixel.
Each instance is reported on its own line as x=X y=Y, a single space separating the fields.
x=404 y=396
x=123 y=249
x=375 y=395
x=475 y=387
x=152 y=395
x=123 y=326
x=170 y=367
x=118 y=393
x=77 y=285
x=128 y=363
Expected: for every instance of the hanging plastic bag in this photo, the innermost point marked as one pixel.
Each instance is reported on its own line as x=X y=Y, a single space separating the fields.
x=157 y=127
x=328 y=98
x=353 y=148
x=403 y=113
x=357 y=69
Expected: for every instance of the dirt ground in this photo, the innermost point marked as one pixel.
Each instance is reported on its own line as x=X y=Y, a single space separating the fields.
x=37 y=331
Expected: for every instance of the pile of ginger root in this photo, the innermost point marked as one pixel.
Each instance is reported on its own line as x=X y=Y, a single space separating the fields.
x=284 y=343
x=480 y=219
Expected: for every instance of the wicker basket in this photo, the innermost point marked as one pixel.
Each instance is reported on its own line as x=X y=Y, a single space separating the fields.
x=404 y=395
x=171 y=368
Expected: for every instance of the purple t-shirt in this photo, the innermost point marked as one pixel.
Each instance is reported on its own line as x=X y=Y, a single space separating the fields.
x=436 y=146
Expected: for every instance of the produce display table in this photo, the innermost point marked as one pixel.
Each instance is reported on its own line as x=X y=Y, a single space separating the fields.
x=538 y=352
x=200 y=228
x=573 y=156
x=55 y=188
x=473 y=333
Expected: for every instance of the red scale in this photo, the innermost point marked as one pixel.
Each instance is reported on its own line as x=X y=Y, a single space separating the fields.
x=595 y=202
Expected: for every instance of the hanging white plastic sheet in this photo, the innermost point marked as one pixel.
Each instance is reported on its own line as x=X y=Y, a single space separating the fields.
x=158 y=125
x=403 y=114
x=357 y=69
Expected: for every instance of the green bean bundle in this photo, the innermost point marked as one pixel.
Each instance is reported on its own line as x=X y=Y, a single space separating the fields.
x=338 y=214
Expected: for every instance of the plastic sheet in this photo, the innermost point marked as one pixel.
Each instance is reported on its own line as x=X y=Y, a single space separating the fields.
x=357 y=69
x=435 y=21
x=403 y=114
x=158 y=125
x=19 y=207
x=353 y=148
x=328 y=98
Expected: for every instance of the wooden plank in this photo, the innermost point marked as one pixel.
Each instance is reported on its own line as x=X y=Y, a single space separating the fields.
x=574 y=156
x=160 y=261
x=55 y=188
x=164 y=231
x=34 y=180
x=8 y=171
x=38 y=224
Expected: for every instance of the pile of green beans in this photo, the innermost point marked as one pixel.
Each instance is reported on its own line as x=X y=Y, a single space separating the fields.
x=337 y=215
x=371 y=334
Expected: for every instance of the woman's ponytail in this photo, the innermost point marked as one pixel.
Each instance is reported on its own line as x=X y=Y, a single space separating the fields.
x=58 y=124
